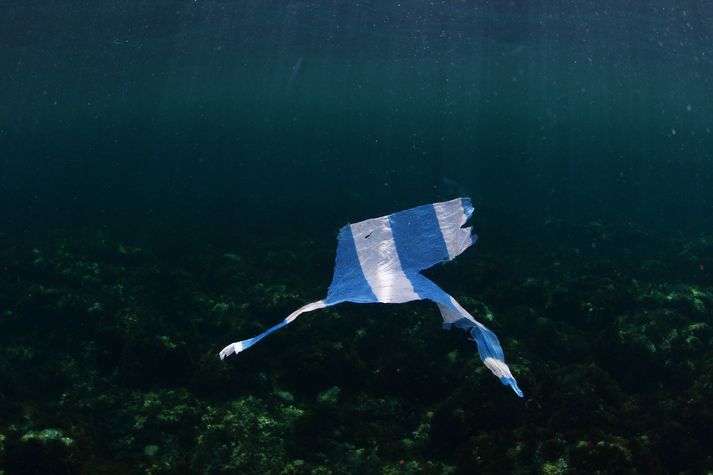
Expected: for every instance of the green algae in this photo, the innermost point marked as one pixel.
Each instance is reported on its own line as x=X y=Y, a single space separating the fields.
x=617 y=360
x=47 y=436
x=329 y=397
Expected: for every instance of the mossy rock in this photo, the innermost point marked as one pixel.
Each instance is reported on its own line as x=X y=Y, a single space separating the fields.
x=604 y=456
x=48 y=451
x=147 y=360
x=2 y=453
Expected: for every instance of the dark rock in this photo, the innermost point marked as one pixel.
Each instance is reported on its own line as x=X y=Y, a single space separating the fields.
x=45 y=452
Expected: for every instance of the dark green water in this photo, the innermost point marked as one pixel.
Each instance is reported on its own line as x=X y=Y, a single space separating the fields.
x=173 y=175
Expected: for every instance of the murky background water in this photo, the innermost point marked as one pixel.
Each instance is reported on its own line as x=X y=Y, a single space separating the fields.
x=173 y=174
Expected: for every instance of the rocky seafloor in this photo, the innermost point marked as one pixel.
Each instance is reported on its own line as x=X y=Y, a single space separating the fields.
x=108 y=360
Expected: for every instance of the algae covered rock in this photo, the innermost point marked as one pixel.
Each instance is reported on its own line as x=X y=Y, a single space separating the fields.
x=244 y=436
x=43 y=451
x=614 y=353
x=2 y=453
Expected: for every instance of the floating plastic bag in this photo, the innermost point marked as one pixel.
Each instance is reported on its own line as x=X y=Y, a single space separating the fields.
x=380 y=259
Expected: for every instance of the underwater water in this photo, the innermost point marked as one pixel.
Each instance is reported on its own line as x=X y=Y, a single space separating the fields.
x=173 y=176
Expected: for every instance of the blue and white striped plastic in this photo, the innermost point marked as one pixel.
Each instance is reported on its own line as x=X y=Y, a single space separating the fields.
x=380 y=259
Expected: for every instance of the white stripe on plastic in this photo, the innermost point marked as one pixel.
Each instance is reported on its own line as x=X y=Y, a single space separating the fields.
x=463 y=312
x=307 y=308
x=451 y=217
x=498 y=368
x=380 y=262
x=238 y=346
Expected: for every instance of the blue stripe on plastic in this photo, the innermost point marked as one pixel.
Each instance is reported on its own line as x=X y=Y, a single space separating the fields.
x=427 y=289
x=418 y=238
x=248 y=343
x=513 y=384
x=467 y=206
x=349 y=283
x=488 y=344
